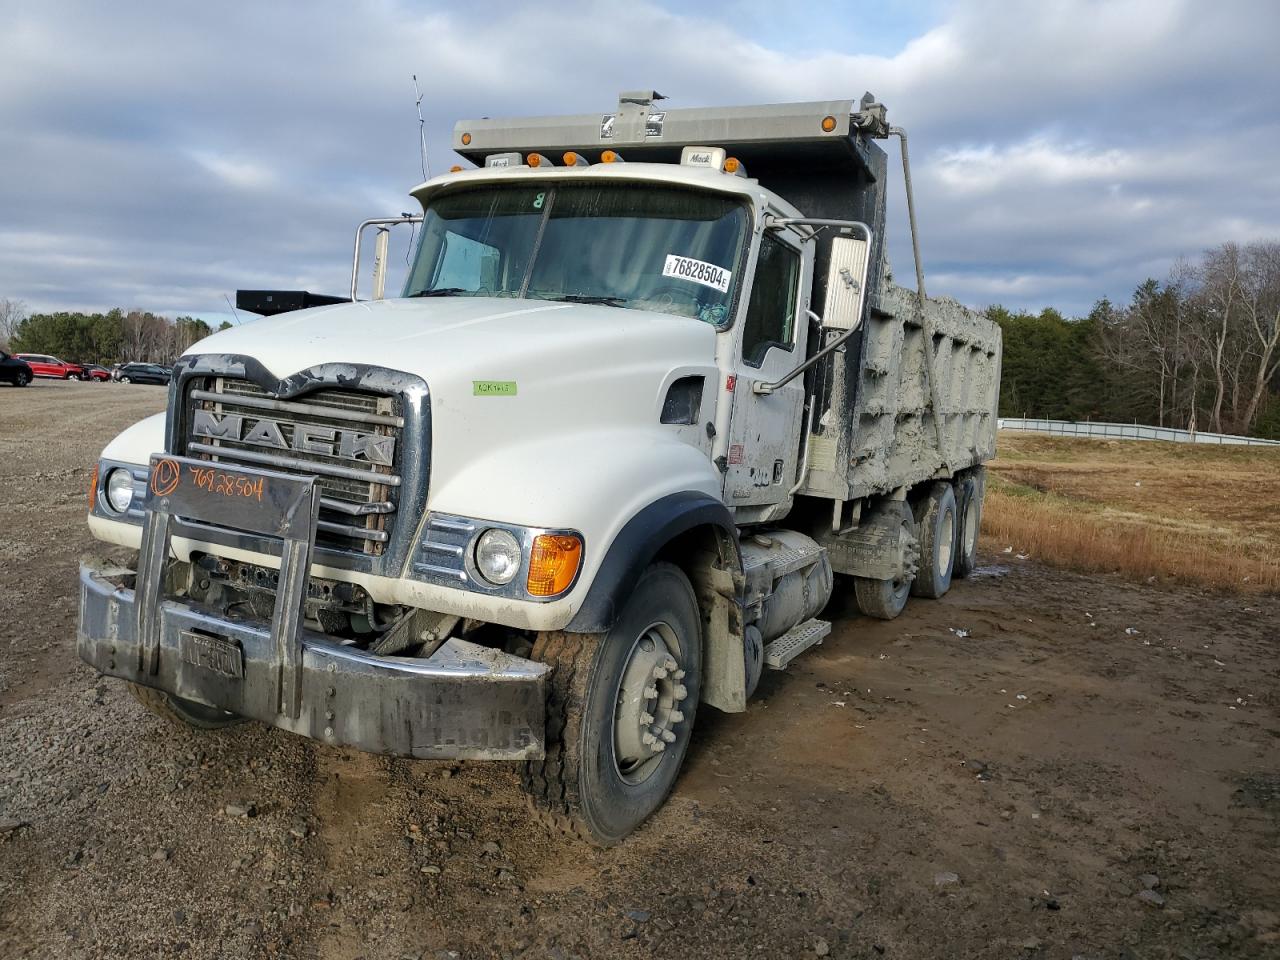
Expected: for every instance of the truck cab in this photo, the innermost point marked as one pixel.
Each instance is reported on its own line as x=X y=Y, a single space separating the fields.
x=597 y=464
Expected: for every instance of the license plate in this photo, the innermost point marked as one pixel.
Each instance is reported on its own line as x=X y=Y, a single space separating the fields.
x=217 y=654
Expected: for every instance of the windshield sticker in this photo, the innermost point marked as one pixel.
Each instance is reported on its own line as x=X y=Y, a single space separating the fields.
x=699 y=271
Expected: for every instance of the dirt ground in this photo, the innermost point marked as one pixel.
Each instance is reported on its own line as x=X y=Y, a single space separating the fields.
x=1038 y=765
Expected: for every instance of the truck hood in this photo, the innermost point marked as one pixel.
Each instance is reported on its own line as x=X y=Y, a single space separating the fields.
x=527 y=397
x=452 y=339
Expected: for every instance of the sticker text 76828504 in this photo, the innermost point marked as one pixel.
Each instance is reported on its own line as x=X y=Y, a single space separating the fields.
x=698 y=271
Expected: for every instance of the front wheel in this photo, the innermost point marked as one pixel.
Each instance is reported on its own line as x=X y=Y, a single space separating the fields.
x=125 y=380
x=22 y=379
x=620 y=709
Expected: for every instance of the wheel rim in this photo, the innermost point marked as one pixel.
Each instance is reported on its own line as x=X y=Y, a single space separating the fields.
x=647 y=714
x=970 y=529
x=946 y=541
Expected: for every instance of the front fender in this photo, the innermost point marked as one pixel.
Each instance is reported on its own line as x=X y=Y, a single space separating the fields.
x=596 y=482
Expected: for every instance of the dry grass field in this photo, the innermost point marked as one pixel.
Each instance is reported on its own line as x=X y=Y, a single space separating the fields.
x=1199 y=514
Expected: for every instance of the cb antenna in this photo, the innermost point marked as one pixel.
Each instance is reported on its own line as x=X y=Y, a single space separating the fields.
x=422 y=131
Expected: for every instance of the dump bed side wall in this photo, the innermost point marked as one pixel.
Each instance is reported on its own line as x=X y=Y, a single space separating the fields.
x=876 y=428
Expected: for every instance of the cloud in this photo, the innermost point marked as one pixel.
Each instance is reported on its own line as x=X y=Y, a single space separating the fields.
x=162 y=155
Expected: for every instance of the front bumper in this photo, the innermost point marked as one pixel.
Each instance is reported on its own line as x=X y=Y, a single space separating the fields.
x=464 y=702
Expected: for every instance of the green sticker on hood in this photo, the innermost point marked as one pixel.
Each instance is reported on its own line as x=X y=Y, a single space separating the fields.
x=493 y=388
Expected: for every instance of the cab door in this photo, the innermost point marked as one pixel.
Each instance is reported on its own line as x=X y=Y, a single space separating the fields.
x=764 y=432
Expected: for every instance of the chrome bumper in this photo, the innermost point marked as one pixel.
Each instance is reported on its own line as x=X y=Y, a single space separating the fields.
x=464 y=702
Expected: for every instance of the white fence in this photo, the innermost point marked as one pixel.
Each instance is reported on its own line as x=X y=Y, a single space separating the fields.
x=1125 y=431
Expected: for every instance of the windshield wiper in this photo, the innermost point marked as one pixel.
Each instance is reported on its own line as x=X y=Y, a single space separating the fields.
x=587 y=298
x=439 y=292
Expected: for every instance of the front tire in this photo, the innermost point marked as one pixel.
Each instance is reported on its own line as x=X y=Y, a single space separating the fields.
x=22 y=379
x=182 y=712
x=620 y=711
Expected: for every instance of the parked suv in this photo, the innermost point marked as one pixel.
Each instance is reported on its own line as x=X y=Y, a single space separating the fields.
x=43 y=365
x=14 y=370
x=144 y=373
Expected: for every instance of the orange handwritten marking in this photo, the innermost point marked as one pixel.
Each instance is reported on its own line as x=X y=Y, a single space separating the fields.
x=164 y=477
x=215 y=481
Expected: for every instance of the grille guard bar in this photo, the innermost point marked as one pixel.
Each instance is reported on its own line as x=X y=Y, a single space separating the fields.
x=264 y=502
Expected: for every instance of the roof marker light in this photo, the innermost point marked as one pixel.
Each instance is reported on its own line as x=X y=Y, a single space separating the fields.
x=609 y=156
x=572 y=159
x=538 y=160
x=828 y=124
x=455 y=169
x=734 y=165
x=466 y=139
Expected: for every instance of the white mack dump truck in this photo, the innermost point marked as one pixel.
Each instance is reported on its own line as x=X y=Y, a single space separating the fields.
x=648 y=386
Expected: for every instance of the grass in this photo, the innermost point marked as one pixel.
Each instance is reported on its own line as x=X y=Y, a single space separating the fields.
x=1195 y=514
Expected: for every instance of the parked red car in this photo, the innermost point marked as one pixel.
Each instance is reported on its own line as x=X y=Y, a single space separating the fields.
x=43 y=365
x=96 y=372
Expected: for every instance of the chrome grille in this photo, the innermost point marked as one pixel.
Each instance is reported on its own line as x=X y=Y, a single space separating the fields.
x=358 y=498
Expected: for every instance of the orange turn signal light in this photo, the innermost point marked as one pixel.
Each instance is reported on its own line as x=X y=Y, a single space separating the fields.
x=553 y=563
x=828 y=124
x=732 y=164
x=93 y=488
x=466 y=139
x=455 y=169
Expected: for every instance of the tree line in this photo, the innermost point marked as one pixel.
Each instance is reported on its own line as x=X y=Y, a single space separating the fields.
x=1199 y=350
x=116 y=336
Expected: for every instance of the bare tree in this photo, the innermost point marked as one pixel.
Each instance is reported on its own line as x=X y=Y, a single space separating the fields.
x=12 y=313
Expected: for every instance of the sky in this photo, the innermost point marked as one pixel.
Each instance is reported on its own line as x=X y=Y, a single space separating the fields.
x=160 y=155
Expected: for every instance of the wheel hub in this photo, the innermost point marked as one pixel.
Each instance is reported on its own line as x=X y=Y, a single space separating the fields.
x=648 y=714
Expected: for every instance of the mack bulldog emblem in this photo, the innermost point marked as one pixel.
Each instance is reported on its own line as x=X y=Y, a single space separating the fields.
x=300 y=437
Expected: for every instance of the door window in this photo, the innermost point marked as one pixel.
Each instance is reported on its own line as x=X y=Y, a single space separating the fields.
x=771 y=313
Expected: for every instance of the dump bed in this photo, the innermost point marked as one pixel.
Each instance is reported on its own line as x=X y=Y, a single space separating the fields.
x=912 y=396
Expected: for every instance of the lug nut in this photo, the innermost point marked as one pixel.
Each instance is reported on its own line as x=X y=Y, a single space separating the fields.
x=646 y=719
x=659 y=747
x=669 y=664
x=650 y=692
x=668 y=736
x=680 y=692
x=659 y=673
x=678 y=675
x=676 y=716
x=648 y=739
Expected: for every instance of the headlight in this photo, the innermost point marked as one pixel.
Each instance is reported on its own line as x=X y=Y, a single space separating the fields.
x=497 y=556
x=119 y=489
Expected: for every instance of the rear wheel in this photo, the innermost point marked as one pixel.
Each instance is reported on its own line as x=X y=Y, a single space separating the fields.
x=885 y=599
x=182 y=712
x=125 y=380
x=969 y=509
x=935 y=516
x=22 y=379
x=620 y=709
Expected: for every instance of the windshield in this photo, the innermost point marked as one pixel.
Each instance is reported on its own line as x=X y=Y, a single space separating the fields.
x=646 y=246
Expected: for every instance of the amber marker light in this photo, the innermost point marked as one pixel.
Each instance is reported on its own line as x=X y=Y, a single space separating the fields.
x=537 y=160
x=732 y=164
x=455 y=169
x=466 y=139
x=553 y=563
x=93 y=488
x=609 y=157
x=828 y=124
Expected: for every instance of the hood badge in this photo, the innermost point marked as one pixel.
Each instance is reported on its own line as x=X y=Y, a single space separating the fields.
x=301 y=437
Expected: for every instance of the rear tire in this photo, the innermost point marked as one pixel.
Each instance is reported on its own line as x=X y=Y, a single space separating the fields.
x=599 y=780
x=885 y=599
x=182 y=712
x=969 y=490
x=125 y=380
x=936 y=520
